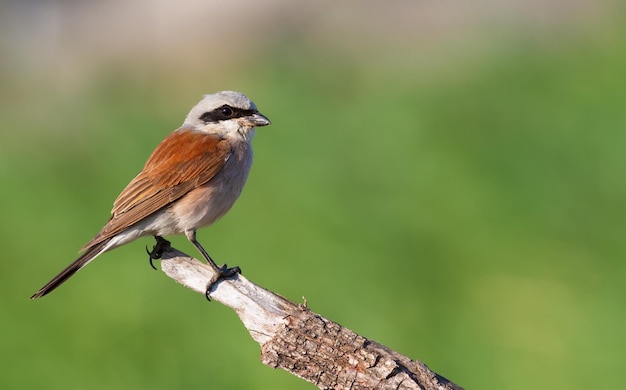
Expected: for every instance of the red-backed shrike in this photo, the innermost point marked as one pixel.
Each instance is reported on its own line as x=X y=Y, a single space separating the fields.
x=191 y=179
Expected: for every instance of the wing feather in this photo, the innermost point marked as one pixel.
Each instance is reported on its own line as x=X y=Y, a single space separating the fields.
x=185 y=160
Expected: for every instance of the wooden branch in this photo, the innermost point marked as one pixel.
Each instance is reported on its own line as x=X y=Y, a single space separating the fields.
x=306 y=344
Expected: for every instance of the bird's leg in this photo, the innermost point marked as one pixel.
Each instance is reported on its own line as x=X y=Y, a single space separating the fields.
x=220 y=272
x=157 y=250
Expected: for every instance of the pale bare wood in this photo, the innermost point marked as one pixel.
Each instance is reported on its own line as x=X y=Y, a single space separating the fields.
x=294 y=338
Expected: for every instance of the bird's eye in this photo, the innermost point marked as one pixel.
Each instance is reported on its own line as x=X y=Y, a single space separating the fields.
x=226 y=111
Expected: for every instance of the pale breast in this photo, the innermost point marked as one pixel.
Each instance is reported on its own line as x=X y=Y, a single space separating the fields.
x=206 y=204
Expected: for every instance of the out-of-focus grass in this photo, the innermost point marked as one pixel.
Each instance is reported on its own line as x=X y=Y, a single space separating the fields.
x=475 y=224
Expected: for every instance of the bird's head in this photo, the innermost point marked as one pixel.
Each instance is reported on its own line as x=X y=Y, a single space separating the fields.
x=227 y=114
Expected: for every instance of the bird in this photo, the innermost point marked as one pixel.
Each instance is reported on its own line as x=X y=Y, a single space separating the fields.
x=192 y=178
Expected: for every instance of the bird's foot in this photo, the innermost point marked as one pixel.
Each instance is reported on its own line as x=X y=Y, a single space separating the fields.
x=222 y=272
x=157 y=250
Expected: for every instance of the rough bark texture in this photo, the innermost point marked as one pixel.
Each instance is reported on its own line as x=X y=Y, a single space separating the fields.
x=304 y=343
x=333 y=357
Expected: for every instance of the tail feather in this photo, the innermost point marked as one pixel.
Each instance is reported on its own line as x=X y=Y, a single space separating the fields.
x=71 y=269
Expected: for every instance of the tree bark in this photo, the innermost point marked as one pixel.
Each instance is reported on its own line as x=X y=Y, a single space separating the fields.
x=294 y=338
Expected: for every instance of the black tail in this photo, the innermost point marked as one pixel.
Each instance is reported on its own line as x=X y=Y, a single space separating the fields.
x=71 y=269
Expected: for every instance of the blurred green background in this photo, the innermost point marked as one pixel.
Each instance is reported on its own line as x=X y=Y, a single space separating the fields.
x=446 y=179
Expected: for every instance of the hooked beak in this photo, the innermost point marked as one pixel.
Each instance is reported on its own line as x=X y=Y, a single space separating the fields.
x=258 y=120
